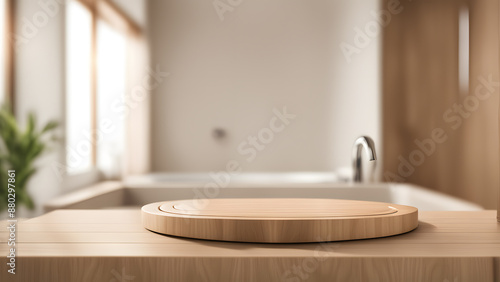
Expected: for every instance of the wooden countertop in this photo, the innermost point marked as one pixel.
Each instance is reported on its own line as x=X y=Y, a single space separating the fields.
x=112 y=245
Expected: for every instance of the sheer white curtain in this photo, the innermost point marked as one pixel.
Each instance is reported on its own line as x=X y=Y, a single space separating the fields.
x=78 y=88
x=111 y=97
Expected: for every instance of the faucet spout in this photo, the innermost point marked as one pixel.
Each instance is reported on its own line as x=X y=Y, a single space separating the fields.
x=363 y=142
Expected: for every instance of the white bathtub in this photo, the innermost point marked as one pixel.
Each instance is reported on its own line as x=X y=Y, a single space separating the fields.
x=141 y=190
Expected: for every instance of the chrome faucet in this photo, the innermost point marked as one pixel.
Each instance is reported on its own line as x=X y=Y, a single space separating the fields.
x=360 y=143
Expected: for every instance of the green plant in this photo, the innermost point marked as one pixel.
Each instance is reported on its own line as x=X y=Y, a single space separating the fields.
x=18 y=151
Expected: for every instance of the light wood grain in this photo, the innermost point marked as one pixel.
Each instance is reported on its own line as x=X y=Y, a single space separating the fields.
x=279 y=220
x=421 y=84
x=498 y=203
x=153 y=238
x=221 y=249
x=277 y=208
x=244 y=269
x=447 y=246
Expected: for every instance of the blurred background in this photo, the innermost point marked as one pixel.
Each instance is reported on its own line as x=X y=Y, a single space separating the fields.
x=141 y=86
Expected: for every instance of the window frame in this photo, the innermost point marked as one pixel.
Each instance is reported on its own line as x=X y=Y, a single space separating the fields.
x=109 y=12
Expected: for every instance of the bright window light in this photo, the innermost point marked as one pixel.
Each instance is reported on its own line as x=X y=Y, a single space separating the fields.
x=78 y=92
x=111 y=66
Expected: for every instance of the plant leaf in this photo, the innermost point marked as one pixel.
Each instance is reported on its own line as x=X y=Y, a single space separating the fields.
x=51 y=125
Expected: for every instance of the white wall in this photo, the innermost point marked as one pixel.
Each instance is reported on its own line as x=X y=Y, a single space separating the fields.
x=230 y=74
x=39 y=84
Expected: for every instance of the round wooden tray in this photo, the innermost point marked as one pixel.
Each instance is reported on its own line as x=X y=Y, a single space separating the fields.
x=278 y=220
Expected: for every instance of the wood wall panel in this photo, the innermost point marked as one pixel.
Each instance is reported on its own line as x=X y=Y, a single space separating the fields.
x=420 y=85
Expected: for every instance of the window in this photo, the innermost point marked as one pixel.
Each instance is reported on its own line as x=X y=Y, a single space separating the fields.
x=111 y=66
x=78 y=88
x=96 y=47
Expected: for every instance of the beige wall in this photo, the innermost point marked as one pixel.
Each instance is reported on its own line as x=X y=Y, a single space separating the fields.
x=39 y=86
x=231 y=73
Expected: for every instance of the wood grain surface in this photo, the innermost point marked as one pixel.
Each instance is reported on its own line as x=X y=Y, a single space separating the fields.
x=279 y=220
x=112 y=245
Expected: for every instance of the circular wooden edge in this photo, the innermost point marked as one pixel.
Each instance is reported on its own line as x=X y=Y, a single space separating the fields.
x=279 y=230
